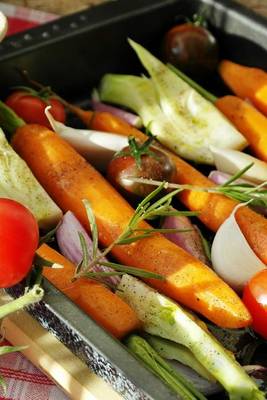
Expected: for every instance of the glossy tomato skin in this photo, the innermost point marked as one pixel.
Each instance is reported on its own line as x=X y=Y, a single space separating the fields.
x=158 y=167
x=191 y=48
x=31 y=108
x=19 y=236
x=255 y=298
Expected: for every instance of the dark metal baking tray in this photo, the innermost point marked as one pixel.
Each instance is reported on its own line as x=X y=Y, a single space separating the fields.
x=71 y=55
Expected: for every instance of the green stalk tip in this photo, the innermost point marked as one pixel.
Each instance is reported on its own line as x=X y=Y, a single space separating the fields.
x=9 y=121
x=207 y=95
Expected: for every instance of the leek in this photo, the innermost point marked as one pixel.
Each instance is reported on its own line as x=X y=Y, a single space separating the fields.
x=174 y=351
x=163 y=317
x=141 y=349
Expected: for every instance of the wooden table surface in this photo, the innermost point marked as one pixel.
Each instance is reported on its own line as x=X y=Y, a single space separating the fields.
x=63 y=7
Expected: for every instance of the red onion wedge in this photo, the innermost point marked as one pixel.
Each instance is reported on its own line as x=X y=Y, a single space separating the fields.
x=220 y=178
x=190 y=241
x=69 y=244
x=127 y=116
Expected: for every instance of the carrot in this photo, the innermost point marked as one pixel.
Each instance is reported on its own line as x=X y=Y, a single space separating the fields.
x=246 y=82
x=249 y=121
x=213 y=208
x=68 y=178
x=84 y=115
x=105 y=307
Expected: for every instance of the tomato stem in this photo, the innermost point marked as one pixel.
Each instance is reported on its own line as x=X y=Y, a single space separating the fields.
x=34 y=295
x=207 y=95
x=25 y=75
x=9 y=120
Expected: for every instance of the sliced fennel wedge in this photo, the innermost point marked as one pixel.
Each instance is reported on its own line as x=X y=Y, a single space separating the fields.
x=138 y=93
x=163 y=317
x=176 y=113
x=18 y=183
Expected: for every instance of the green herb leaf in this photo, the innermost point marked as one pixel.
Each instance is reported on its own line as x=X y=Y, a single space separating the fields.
x=238 y=175
x=83 y=264
x=93 y=226
x=11 y=349
x=125 y=269
x=3 y=384
x=49 y=236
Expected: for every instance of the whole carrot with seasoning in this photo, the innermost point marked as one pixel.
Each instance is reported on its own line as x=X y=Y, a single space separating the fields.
x=246 y=82
x=249 y=121
x=69 y=179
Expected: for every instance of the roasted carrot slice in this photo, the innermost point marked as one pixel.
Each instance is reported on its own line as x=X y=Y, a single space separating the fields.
x=246 y=82
x=105 y=307
x=68 y=178
x=248 y=120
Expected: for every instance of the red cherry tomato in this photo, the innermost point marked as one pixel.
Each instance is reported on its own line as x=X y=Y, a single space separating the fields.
x=19 y=236
x=255 y=298
x=191 y=48
x=31 y=108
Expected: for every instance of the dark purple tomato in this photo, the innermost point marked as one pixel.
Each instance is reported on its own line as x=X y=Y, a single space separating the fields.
x=191 y=48
x=155 y=165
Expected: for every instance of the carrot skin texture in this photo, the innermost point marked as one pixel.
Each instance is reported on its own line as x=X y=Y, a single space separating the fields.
x=69 y=179
x=101 y=304
x=213 y=208
x=246 y=82
x=248 y=120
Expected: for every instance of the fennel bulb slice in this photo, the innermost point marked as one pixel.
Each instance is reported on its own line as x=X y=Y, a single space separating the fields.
x=177 y=114
x=17 y=182
x=163 y=317
x=138 y=93
x=187 y=108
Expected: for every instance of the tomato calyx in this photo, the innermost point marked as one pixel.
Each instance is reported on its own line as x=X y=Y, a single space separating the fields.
x=198 y=20
x=44 y=94
x=137 y=150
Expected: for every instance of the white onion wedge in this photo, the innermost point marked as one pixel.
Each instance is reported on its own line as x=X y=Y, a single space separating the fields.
x=232 y=161
x=232 y=257
x=97 y=147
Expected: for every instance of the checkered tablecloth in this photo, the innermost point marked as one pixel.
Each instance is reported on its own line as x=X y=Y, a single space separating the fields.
x=24 y=381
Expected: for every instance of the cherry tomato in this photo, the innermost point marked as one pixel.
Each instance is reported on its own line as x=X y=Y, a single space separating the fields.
x=31 y=107
x=255 y=298
x=191 y=48
x=19 y=237
x=154 y=165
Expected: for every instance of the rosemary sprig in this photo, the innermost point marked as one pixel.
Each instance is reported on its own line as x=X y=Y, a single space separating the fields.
x=133 y=232
x=93 y=226
x=244 y=193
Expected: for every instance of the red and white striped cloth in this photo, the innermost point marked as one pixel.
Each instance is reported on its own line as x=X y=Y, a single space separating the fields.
x=24 y=381
x=22 y=18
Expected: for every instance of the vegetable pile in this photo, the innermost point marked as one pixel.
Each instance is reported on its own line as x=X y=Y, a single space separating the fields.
x=126 y=250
